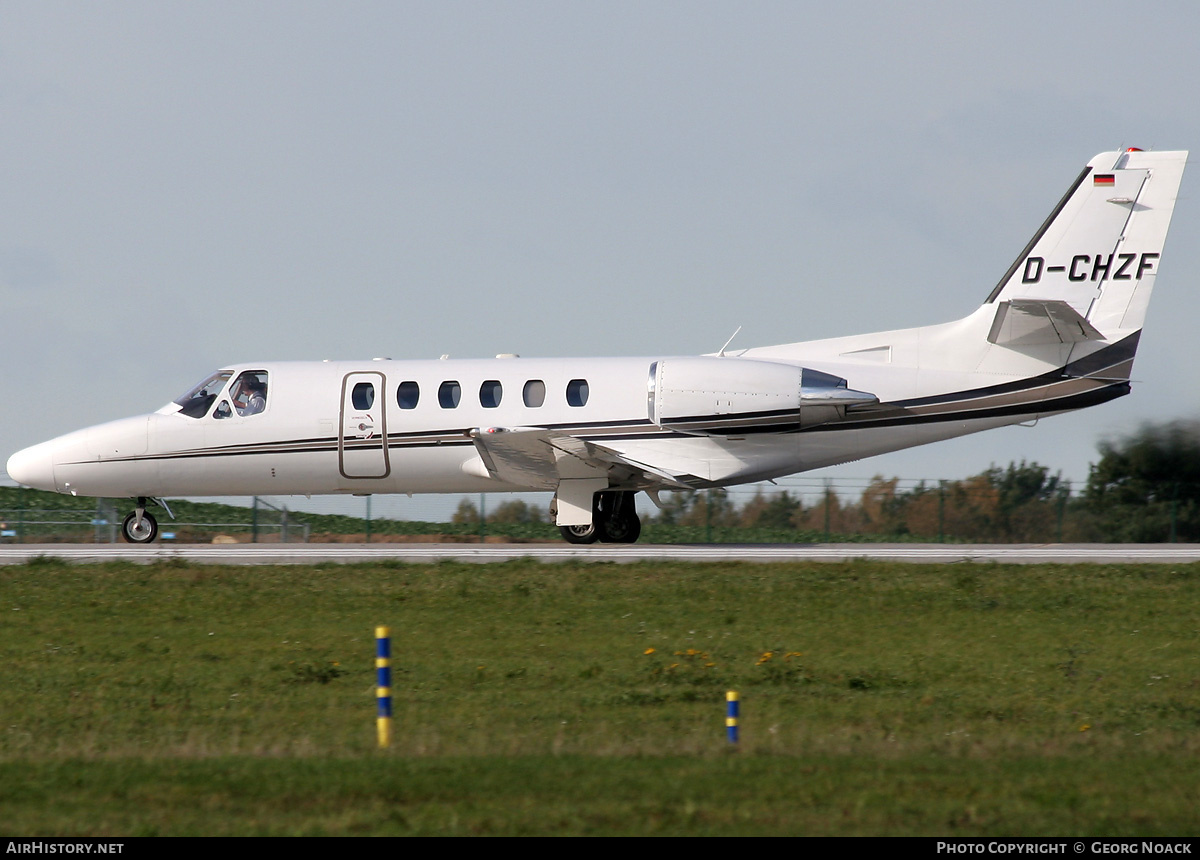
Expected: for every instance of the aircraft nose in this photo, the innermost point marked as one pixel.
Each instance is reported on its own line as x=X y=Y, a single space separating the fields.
x=33 y=467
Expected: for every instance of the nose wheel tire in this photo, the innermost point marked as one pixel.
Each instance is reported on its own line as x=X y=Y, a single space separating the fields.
x=133 y=532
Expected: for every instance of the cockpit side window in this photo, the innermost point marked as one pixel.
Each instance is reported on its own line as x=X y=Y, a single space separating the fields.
x=249 y=393
x=196 y=403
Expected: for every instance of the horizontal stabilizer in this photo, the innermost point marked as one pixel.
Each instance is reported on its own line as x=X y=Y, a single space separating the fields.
x=1031 y=322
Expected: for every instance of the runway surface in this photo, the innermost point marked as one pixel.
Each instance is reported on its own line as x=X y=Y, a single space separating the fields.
x=245 y=554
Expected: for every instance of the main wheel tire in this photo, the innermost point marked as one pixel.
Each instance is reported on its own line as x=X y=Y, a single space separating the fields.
x=147 y=532
x=625 y=529
x=580 y=534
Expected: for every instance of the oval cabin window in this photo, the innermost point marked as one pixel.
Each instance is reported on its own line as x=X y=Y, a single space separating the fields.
x=534 y=393
x=407 y=395
x=449 y=394
x=577 y=392
x=363 y=395
x=490 y=393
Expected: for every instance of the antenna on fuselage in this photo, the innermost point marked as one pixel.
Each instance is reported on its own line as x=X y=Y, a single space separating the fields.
x=731 y=337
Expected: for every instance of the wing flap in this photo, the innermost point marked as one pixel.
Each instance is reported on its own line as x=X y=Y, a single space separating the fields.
x=538 y=458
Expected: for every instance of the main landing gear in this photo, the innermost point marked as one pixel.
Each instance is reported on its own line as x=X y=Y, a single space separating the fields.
x=614 y=520
x=140 y=526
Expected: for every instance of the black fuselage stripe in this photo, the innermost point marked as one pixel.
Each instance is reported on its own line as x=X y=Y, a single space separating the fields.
x=1102 y=394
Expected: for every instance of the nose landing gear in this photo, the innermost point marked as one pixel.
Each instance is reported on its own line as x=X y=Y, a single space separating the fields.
x=140 y=526
x=141 y=529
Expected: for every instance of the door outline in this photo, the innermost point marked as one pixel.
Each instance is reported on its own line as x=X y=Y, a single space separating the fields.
x=372 y=423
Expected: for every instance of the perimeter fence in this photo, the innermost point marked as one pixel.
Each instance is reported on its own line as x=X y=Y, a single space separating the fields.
x=982 y=509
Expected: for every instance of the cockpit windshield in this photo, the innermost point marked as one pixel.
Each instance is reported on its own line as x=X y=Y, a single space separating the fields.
x=199 y=398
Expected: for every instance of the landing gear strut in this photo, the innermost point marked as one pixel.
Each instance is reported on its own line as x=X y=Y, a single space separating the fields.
x=614 y=520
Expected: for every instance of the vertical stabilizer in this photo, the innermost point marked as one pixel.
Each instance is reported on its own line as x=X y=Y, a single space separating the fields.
x=1100 y=249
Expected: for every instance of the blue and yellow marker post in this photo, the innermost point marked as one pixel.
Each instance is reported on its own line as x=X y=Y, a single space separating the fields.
x=731 y=716
x=383 y=684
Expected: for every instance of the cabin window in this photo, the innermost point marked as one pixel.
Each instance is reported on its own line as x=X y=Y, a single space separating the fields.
x=577 y=392
x=490 y=393
x=249 y=392
x=363 y=395
x=198 y=400
x=449 y=393
x=534 y=393
x=407 y=395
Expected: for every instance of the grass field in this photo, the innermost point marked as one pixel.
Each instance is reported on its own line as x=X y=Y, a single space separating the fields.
x=589 y=699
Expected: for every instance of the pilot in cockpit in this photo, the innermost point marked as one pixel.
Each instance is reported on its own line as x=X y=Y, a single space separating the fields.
x=250 y=395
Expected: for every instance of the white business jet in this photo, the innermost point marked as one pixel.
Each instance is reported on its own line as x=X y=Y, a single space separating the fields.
x=1058 y=333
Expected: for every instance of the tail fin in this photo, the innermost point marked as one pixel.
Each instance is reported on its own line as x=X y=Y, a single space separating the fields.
x=1094 y=261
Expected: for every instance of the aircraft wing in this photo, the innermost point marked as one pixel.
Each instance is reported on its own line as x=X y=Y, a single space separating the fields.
x=540 y=459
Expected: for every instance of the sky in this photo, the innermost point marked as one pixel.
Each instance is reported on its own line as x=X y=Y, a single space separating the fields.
x=189 y=185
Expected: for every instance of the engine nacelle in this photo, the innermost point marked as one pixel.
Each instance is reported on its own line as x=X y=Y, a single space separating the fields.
x=725 y=396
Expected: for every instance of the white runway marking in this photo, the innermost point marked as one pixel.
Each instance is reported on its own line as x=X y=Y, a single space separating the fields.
x=244 y=554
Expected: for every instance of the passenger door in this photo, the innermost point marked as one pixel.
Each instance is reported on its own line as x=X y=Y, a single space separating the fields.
x=362 y=438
